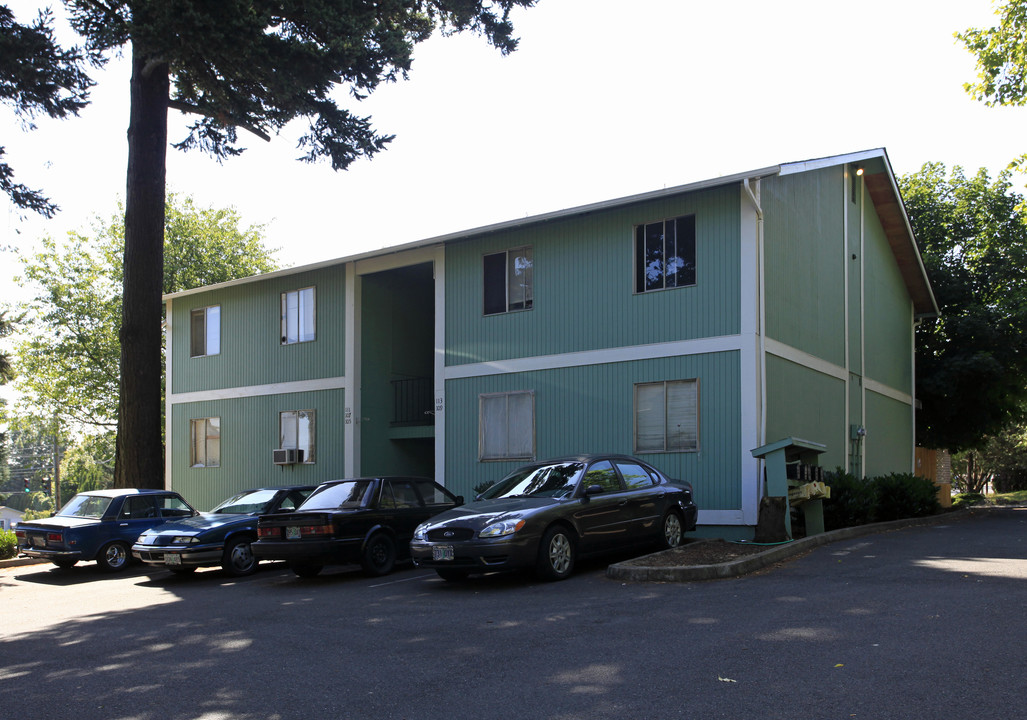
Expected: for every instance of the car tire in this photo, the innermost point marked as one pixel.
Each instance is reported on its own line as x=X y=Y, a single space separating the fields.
x=451 y=575
x=183 y=570
x=672 y=530
x=238 y=559
x=113 y=557
x=556 y=554
x=379 y=555
x=305 y=570
x=65 y=564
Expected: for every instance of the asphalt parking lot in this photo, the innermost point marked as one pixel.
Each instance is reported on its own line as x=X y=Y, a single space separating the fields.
x=923 y=622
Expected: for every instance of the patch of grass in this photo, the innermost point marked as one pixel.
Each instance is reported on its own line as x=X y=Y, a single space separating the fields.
x=1011 y=498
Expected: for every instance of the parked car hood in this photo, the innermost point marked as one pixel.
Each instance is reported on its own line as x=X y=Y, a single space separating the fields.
x=199 y=523
x=484 y=512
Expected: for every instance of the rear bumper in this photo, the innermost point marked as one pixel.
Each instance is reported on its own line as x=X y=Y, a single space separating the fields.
x=318 y=552
x=45 y=554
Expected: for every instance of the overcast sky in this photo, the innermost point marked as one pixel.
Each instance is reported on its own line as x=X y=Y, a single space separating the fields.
x=603 y=99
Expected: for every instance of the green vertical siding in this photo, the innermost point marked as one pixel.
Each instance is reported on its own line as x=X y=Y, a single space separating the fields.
x=251 y=348
x=590 y=409
x=584 y=293
x=806 y=404
x=889 y=312
x=805 y=261
x=889 y=440
x=249 y=432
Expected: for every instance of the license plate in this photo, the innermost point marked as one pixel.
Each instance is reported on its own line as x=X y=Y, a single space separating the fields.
x=172 y=559
x=292 y=533
x=442 y=552
x=38 y=542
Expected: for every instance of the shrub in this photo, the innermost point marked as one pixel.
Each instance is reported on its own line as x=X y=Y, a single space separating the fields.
x=37 y=514
x=904 y=496
x=852 y=501
x=8 y=544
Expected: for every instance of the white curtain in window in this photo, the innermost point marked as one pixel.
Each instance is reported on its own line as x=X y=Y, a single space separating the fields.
x=213 y=330
x=305 y=315
x=493 y=430
x=520 y=431
x=290 y=317
x=650 y=416
x=682 y=415
x=213 y=444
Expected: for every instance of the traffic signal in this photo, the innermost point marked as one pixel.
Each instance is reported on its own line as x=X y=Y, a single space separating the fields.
x=27 y=485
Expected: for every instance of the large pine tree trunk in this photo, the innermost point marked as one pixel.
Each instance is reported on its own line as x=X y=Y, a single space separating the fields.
x=139 y=461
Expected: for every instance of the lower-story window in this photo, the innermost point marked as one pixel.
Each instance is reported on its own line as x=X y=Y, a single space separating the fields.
x=298 y=432
x=506 y=426
x=667 y=416
x=205 y=442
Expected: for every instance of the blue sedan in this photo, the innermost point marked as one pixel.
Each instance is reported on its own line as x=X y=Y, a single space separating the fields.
x=100 y=525
x=219 y=537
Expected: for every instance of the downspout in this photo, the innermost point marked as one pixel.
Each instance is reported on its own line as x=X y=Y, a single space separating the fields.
x=761 y=429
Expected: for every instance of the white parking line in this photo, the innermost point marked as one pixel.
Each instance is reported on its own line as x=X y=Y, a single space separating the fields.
x=394 y=582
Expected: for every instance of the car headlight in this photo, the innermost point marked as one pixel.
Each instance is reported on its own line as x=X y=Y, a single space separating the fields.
x=501 y=528
x=184 y=540
x=421 y=532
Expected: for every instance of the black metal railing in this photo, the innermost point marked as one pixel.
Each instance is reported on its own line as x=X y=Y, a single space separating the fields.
x=412 y=402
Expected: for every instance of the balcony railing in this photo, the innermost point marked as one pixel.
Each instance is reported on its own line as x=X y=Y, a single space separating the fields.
x=412 y=402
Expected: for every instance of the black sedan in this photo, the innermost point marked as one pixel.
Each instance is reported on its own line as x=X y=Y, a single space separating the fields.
x=220 y=537
x=363 y=520
x=546 y=514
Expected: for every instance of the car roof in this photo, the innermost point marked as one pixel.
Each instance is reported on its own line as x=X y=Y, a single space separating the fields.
x=376 y=477
x=586 y=458
x=310 y=486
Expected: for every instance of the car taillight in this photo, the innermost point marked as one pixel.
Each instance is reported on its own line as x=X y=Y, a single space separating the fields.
x=19 y=534
x=269 y=532
x=54 y=537
x=315 y=530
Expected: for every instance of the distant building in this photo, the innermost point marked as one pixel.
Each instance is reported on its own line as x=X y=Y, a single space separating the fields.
x=9 y=516
x=687 y=325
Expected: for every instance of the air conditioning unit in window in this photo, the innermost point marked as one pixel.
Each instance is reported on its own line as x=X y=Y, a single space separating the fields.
x=287 y=456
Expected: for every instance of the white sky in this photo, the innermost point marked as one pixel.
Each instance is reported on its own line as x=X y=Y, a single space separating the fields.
x=604 y=98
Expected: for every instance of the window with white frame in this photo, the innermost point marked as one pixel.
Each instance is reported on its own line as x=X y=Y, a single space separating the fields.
x=509 y=281
x=297 y=431
x=667 y=416
x=506 y=423
x=298 y=316
x=205 y=442
x=665 y=254
x=205 y=331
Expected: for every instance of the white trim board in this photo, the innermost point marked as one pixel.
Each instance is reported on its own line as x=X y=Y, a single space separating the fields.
x=726 y=343
x=235 y=393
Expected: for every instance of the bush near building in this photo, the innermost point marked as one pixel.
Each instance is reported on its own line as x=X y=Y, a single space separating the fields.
x=856 y=501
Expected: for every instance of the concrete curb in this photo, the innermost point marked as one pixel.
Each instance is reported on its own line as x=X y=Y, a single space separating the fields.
x=19 y=561
x=632 y=571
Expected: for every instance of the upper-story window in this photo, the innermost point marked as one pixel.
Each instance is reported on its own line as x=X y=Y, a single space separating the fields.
x=665 y=254
x=298 y=316
x=205 y=331
x=509 y=281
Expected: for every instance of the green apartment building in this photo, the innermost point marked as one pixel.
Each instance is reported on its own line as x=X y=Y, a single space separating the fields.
x=687 y=326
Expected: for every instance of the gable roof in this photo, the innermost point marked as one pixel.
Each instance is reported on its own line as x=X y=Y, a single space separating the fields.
x=878 y=175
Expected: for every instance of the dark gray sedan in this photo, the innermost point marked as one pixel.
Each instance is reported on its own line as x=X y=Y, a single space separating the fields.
x=546 y=514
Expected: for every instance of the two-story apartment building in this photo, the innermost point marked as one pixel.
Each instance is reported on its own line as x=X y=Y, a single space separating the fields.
x=687 y=326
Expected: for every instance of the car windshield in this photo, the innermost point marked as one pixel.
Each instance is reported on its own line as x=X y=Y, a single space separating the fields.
x=349 y=494
x=250 y=502
x=557 y=480
x=86 y=506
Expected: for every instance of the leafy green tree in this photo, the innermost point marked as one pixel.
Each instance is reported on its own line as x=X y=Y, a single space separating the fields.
x=7 y=326
x=255 y=65
x=1001 y=52
x=69 y=355
x=88 y=465
x=972 y=360
x=37 y=76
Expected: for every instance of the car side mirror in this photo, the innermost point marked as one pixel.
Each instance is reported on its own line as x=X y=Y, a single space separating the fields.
x=593 y=489
x=459 y=500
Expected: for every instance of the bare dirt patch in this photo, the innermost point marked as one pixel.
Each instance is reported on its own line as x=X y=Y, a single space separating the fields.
x=699 y=552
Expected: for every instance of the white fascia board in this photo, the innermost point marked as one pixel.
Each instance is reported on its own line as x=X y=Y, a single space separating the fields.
x=835 y=160
x=488 y=229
